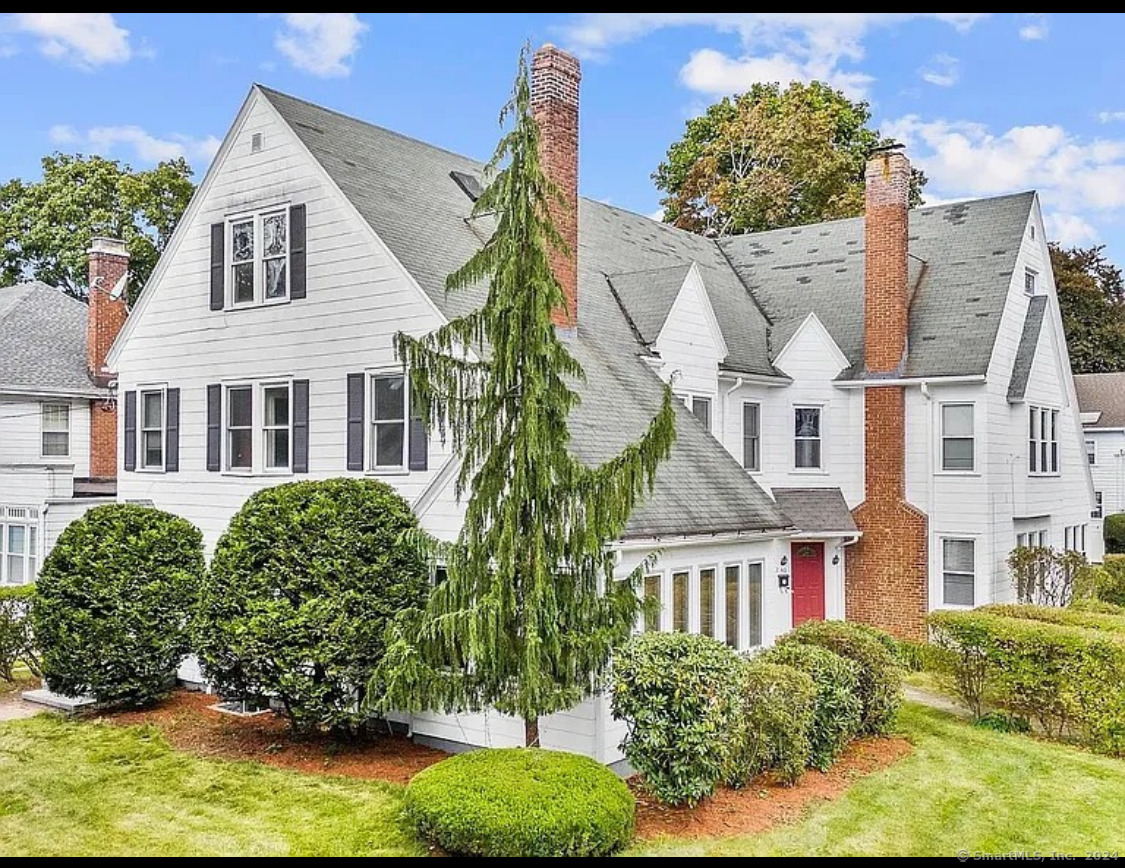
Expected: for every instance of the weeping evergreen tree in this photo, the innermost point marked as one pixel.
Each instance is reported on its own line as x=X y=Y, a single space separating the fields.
x=530 y=610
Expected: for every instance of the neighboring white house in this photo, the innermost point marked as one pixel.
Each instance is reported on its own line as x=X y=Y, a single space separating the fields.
x=264 y=341
x=1102 y=399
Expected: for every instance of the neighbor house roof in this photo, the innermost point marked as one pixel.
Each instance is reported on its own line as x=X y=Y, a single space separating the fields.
x=43 y=342
x=816 y=510
x=1025 y=354
x=1104 y=394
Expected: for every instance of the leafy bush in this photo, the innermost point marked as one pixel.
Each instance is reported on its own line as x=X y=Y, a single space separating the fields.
x=1070 y=617
x=521 y=802
x=1110 y=581
x=1097 y=606
x=16 y=643
x=921 y=656
x=114 y=601
x=772 y=733
x=879 y=678
x=1113 y=532
x=680 y=695
x=836 y=718
x=1045 y=577
x=300 y=591
x=1000 y=722
x=967 y=641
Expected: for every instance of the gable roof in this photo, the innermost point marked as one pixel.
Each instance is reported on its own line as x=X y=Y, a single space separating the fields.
x=817 y=510
x=647 y=297
x=403 y=189
x=43 y=342
x=1104 y=394
x=1029 y=341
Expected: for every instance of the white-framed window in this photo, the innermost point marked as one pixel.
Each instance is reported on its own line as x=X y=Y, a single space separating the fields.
x=653 y=590
x=754 y=572
x=701 y=409
x=277 y=423
x=19 y=544
x=1074 y=538
x=1043 y=441
x=742 y=605
x=258 y=257
x=55 y=430
x=752 y=435
x=1092 y=451
x=239 y=435
x=732 y=604
x=957 y=441
x=1032 y=539
x=807 y=446
x=680 y=581
x=1029 y=280
x=1099 y=505
x=958 y=571
x=708 y=590
x=151 y=429
x=388 y=412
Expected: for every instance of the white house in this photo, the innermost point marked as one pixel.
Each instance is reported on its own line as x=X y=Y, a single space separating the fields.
x=1101 y=398
x=815 y=474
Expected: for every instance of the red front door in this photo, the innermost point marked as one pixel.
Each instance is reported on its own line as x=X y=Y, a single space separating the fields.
x=808 y=582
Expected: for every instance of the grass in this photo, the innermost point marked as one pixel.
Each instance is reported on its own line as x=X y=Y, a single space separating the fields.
x=962 y=788
x=86 y=789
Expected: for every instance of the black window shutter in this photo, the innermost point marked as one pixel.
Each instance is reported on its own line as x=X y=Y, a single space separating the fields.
x=130 y=430
x=419 y=445
x=355 y=421
x=172 y=430
x=297 y=245
x=300 y=426
x=218 y=266
x=214 y=426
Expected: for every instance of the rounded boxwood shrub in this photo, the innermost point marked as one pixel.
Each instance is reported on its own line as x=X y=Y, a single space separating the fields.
x=299 y=594
x=521 y=802
x=772 y=729
x=113 y=603
x=838 y=710
x=680 y=695
x=880 y=680
x=1113 y=532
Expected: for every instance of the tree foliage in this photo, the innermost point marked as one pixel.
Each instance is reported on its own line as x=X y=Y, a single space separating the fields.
x=46 y=225
x=531 y=610
x=1092 y=301
x=769 y=158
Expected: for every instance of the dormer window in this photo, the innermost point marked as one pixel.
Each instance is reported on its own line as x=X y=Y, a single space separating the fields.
x=1029 y=281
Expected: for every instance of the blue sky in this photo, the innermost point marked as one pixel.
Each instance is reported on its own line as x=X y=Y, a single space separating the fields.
x=987 y=103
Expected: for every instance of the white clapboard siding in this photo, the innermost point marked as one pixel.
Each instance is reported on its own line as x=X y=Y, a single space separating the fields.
x=27 y=478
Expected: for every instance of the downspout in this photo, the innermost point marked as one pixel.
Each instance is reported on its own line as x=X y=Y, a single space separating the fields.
x=931 y=473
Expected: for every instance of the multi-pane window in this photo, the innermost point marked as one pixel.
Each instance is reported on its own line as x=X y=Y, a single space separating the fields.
x=701 y=409
x=1074 y=538
x=957 y=437
x=707 y=601
x=1098 y=505
x=752 y=436
x=680 y=601
x=56 y=430
x=259 y=257
x=653 y=603
x=19 y=545
x=732 y=597
x=276 y=426
x=958 y=572
x=1092 y=451
x=152 y=430
x=806 y=437
x=240 y=428
x=388 y=421
x=1043 y=440
x=1029 y=278
x=1032 y=539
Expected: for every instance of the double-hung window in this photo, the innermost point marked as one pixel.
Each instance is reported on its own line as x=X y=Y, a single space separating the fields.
x=1029 y=281
x=806 y=438
x=19 y=544
x=262 y=414
x=752 y=436
x=388 y=421
x=152 y=429
x=958 y=572
x=1043 y=441
x=1098 y=505
x=957 y=437
x=259 y=258
x=55 y=430
x=1092 y=452
x=240 y=428
x=276 y=426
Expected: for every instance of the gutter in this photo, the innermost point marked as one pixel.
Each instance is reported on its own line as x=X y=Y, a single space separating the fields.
x=696 y=539
x=93 y=395
x=909 y=381
x=758 y=379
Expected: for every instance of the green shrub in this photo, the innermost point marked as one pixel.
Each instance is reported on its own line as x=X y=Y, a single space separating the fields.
x=299 y=594
x=967 y=642
x=921 y=657
x=838 y=709
x=1069 y=617
x=1113 y=532
x=16 y=643
x=1000 y=722
x=114 y=601
x=772 y=733
x=521 y=802
x=680 y=696
x=1097 y=606
x=880 y=680
x=1110 y=581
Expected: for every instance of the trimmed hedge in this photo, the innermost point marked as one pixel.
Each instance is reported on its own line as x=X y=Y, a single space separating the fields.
x=879 y=684
x=680 y=694
x=113 y=603
x=1110 y=580
x=521 y=802
x=836 y=718
x=1113 y=532
x=299 y=594
x=1070 y=617
x=1097 y=606
x=16 y=642
x=773 y=729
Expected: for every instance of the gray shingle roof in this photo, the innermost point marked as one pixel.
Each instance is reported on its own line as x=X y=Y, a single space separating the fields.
x=1025 y=354
x=969 y=250
x=43 y=341
x=648 y=296
x=816 y=510
x=403 y=188
x=1105 y=394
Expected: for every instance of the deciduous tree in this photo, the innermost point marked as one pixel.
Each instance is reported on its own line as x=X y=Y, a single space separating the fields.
x=1092 y=301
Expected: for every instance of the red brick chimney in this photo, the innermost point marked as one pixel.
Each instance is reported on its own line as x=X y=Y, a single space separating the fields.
x=887 y=569
x=109 y=266
x=555 y=76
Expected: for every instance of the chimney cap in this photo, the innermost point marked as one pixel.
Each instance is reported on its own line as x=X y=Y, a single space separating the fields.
x=891 y=147
x=111 y=246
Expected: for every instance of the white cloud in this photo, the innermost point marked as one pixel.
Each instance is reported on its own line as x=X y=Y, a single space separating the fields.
x=942 y=70
x=1036 y=27
x=657 y=215
x=1069 y=230
x=1111 y=117
x=86 y=39
x=776 y=46
x=144 y=146
x=320 y=43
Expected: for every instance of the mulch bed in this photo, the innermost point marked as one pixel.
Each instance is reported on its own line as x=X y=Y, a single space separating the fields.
x=764 y=802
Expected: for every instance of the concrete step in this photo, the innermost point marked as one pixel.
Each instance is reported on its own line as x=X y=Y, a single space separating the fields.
x=49 y=699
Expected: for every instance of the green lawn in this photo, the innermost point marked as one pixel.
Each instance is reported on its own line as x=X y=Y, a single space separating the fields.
x=962 y=788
